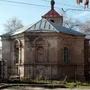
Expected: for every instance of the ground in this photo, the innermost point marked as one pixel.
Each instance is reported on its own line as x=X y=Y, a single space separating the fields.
x=70 y=86
x=36 y=88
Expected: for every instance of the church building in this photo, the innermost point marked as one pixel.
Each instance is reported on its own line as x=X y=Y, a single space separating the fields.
x=45 y=50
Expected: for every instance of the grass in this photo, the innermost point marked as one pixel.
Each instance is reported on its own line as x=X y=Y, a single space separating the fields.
x=81 y=85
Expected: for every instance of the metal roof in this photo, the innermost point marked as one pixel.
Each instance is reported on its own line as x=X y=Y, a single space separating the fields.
x=67 y=30
x=46 y=26
x=21 y=30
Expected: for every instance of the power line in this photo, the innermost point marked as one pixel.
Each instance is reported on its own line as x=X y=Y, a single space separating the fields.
x=74 y=9
x=67 y=5
x=23 y=3
x=70 y=7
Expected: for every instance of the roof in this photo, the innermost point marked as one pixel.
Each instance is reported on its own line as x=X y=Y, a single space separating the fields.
x=51 y=13
x=67 y=30
x=21 y=30
x=46 y=26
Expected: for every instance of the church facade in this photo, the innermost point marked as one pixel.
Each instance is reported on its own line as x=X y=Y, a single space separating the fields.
x=45 y=51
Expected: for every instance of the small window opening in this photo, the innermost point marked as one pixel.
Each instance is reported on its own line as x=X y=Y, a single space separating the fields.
x=52 y=21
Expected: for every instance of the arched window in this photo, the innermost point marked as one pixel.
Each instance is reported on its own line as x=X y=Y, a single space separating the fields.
x=17 y=51
x=66 y=55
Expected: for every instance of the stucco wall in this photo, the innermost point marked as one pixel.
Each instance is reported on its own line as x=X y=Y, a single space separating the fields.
x=41 y=56
x=54 y=55
x=6 y=56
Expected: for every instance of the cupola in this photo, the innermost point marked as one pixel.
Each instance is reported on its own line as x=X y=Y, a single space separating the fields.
x=53 y=16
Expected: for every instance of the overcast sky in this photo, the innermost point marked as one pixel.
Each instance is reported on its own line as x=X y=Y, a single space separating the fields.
x=30 y=14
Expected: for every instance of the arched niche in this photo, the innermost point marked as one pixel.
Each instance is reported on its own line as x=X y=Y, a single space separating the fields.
x=40 y=42
x=41 y=50
x=17 y=51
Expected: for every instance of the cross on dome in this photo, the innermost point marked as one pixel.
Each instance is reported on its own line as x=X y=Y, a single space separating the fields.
x=52 y=4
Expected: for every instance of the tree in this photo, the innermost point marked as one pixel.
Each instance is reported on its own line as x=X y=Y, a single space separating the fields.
x=69 y=23
x=13 y=24
x=85 y=27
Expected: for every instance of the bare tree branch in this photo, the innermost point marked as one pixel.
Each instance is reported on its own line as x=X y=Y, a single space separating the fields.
x=13 y=24
x=69 y=23
x=85 y=27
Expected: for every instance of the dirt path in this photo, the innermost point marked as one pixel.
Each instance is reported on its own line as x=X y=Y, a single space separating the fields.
x=32 y=88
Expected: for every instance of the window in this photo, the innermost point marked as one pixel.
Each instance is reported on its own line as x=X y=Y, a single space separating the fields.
x=66 y=55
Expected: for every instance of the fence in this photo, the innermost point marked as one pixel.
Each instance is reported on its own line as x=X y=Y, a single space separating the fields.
x=48 y=72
